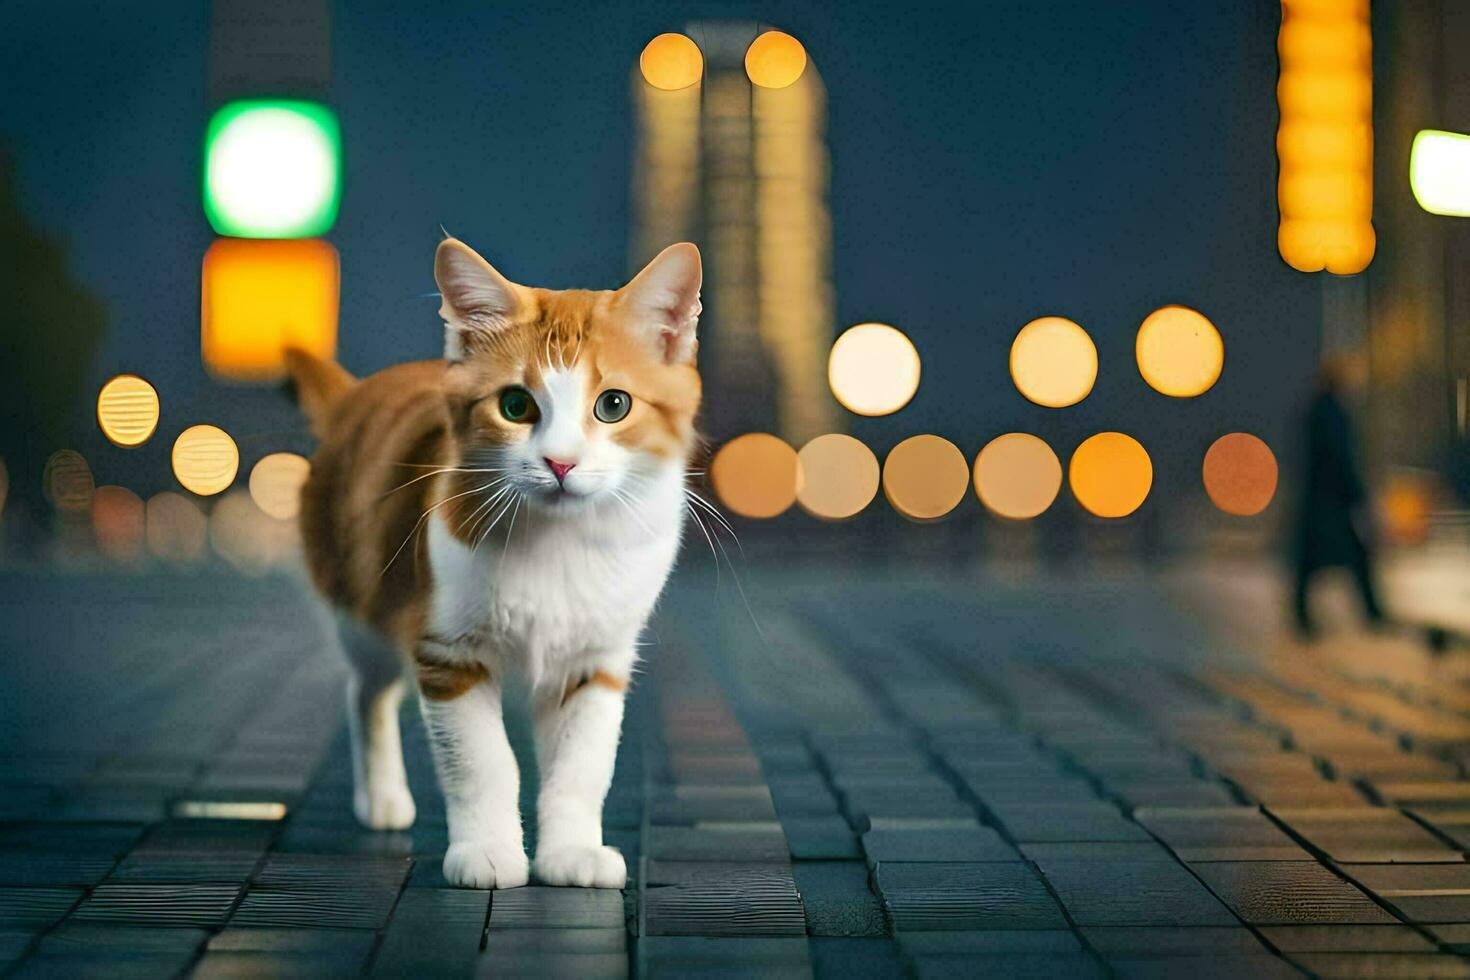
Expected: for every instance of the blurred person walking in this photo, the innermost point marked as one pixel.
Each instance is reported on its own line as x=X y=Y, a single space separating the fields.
x=1333 y=520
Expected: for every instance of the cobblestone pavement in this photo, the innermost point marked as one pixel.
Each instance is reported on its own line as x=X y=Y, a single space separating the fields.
x=932 y=777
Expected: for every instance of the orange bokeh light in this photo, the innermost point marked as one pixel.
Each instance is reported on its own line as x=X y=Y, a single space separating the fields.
x=839 y=477
x=175 y=529
x=756 y=475
x=1111 y=474
x=925 y=477
x=117 y=523
x=1179 y=351
x=775 y=60
x=1240 y=474
x=671 y=62
x=1017 y=475
x=261 y=296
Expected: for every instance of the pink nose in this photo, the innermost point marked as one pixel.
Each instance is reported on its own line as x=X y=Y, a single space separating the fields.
x=559 y=469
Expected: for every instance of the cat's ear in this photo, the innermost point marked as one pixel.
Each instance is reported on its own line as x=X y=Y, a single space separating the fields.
x=478 y=301
x=663 y=300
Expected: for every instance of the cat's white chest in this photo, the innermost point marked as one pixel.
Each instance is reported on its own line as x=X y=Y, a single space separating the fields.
x=553 y=594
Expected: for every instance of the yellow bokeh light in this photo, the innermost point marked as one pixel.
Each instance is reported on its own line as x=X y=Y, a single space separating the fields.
x=775 y=60
x=1179 y=351
x=1017 y=475
x=1053 y=362
x=925 y=477
x=127 y=410
x=839 y=477
x=67 y=481
x=117 y=523
x=873 y=369
x=205 y=460
x=175 y=528
x=1240 y=474
x=261 y=296
x=756 y=475
x=1325 y=137
x=671 y=62
x=1439 y=172
x=275 y=484
x=1111 y=474
x=248 y=538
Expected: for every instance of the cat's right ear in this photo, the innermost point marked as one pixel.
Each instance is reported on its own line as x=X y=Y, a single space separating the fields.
x=478 y=301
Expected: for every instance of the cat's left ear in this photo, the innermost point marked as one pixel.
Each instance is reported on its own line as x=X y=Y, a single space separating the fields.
x=663 y=299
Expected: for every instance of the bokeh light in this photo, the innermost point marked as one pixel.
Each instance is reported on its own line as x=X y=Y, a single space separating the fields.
x=839 y=477
x=775 y=60
x=1017 y=475
x=671 y=62
x=1240 y=474
x=127 y=410
x=67 y=481
x=118 y=523
x=1053 y=362
x=272 y=169
x=1406 y=507
x=175 y=529
x=1439 y=172
x=1325 y=139
x=925 y=477
x=205 y=460
x=756 y=475
x=1111 y=474
x=247 y=537
x=275 y=484
x=260 y=297
x=1179 y=351
x=873 y=369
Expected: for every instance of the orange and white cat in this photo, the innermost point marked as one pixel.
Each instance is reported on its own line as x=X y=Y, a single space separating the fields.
x=515 y=507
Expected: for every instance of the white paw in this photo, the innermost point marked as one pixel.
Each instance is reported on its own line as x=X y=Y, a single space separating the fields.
x=385 y=807
x=485 y=864
x=583 y=867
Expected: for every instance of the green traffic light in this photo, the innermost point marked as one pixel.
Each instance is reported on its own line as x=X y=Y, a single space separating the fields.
x=272 y=169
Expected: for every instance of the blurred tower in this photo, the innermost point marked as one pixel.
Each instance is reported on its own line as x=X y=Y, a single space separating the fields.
x=743 y=170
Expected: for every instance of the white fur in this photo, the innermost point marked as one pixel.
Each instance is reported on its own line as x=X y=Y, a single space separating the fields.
x=565 y=590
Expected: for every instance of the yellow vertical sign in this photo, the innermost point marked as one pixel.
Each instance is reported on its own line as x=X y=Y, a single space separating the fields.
x=1325 y=140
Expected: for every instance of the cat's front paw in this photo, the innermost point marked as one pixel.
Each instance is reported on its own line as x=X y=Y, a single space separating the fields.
x=582 y=866
x=385 y=807
x=485 y=864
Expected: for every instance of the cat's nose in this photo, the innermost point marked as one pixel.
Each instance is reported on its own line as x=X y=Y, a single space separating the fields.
x=558 y=468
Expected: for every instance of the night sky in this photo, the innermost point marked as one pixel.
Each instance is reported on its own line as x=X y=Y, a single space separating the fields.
x=991 y=162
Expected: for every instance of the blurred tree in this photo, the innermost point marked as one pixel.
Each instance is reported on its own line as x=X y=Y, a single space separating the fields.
x=49 y=326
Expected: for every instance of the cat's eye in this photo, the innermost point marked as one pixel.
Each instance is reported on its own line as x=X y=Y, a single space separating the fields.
x=613 y=405
x=517 y=405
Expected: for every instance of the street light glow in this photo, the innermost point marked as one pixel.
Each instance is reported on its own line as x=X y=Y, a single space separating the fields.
x=205 y=460
x=1053 y=362
x=272 y=169
x=1179 y=351
x=671 y=62
x=775 y=60
x=1111 y=474
x=127 y=410
x=873 y=369
x=1439 y=172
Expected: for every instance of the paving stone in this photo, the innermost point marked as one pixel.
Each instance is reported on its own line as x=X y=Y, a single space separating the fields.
x=855 y=958
x=1426 y=794
x=1414 y=966
x=657 y=873
x=715 y=956
x=1264 y=967
x=1133 y=942
x=434 y=931
x=837 y=899
x=14 y=943
x=1420 y=892
x=76 y=938
x=1000 y=895
x=72 y=838
x=251 y=965
x=688 y=805
x=326 y=907
x=1365 y=834
x=186 y=866
x=758 y=842
x=1097 y=821
x=1132 y=853
x=1453 y=936
x=970 y=844
x=994 y=792
x=331 y=871
x=541 y=907
x=1220 y=834
x=102 y=966
x=1040 y=966
x=1452 y=822
x=829 y=837
x=1288 y=893
x=1346 y=939
x=30 y=867
x=346 y=942
x=724 y=903
x=1147 y=893
x=1173 y=793
x=990 y=941
x=203 y=905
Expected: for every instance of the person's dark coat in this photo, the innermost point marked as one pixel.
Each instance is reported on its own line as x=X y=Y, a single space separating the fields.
x=1333 y=493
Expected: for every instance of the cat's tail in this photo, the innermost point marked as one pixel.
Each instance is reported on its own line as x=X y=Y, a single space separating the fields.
x=319 y=385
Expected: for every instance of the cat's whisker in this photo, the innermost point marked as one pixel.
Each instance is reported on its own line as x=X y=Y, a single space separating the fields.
x=438 y=472
x=419 y=523
x=708 y=540
x=628 y=503
x=473 y=515
x=715 y=513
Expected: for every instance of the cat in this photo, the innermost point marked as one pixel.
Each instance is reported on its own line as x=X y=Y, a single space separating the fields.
x=514 y=507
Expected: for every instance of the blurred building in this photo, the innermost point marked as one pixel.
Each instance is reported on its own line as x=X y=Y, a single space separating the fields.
x=743 y=171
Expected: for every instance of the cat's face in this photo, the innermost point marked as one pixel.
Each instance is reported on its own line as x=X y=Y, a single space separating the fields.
x=572 y=397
